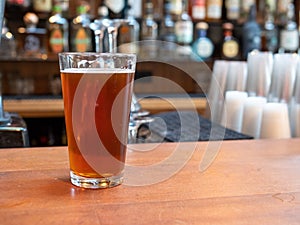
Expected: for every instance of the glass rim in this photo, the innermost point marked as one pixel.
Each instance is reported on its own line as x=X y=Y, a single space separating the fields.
x=124 y=60
x=98 y=54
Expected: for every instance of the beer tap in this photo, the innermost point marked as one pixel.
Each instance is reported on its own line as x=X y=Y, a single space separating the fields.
x=107 y=30
x=99 y=26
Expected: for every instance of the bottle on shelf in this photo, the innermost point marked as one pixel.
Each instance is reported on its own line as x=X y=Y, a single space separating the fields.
x=31 y=40
x=184 y=31
x=149 y=28
x=197 y=9
x=148 y=48
x=175 y=8
x=214 y=10
x=135 y=8
x=116 y=8
x=42 y=8
x=245 y=9
x=203 y=46
x=158 y=9
x=232 y=9
x=289 y=35
x=269 y=36
x=167 y=26
x=167 y=33
x=102 y=12
x=8 y=43
x=58 y=32
x=282 y=11
x=80 y=32
x=271 y=5
x=15 y=9
x=129 y=32
x=230 y=48
x=65 y=6
x=251 y=33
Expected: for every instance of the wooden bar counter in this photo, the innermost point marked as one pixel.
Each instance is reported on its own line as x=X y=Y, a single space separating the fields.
x=249 y=182
x=37 y=108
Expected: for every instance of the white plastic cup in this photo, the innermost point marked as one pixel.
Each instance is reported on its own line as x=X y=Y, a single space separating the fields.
x=252 y=115
x=275 y=121
x=233 y=110
x=236 y=76
x=260 y=65
x=283 y=77
x=217 y=90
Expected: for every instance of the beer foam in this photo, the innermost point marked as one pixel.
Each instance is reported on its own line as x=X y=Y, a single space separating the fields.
x=97 y=70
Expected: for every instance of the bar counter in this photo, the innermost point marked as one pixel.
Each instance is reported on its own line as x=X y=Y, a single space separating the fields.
x=37 y=108
x=248 y=182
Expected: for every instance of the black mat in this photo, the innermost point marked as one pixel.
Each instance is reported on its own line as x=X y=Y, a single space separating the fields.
x=190 y=126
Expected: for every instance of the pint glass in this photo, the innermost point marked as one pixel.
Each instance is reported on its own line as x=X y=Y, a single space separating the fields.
x=97 y=92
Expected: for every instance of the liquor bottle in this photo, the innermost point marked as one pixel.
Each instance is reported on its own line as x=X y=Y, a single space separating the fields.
x=282 y=11
x=116 y=8
x=102 y=12
x=80 y=32
x=289 y=35
x=269 y=36
x=31 y=40
x=232 y=9
x=58 y=32
x=8 y=43
x=271 y=5
x=149 y=33
x=167 y=26
x=175 y=8
x=149 y=28
x=197 y=9
x=184 y=31
x=203 y=46
x=158 y=9
x=135 y=8
x=230 y=49
x=129 y=33
x=42 y=8
x=245 y=9
x=251 y=33
x=65 y=6
x=214 y=10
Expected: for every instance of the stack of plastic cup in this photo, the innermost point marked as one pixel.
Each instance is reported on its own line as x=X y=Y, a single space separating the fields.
x=275 y=121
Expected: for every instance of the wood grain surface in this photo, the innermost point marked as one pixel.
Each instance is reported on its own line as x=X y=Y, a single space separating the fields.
x=249 y=182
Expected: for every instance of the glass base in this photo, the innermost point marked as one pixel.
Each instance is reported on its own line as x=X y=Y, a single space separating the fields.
x=95 y=183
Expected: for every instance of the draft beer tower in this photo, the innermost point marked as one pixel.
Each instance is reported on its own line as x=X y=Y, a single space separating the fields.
x=13 y=130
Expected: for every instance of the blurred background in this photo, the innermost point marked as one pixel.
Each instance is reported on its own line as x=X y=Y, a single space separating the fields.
x=180 y=40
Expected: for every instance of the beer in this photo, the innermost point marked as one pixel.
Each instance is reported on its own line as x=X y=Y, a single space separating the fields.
x=97 y=98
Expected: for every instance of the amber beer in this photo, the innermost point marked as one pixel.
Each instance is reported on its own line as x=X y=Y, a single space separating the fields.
x=97 y=106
